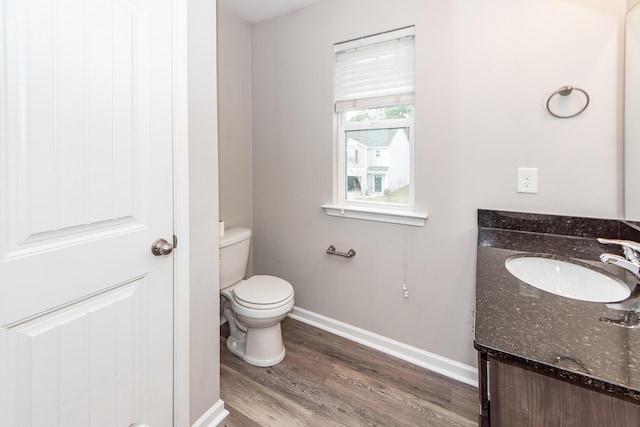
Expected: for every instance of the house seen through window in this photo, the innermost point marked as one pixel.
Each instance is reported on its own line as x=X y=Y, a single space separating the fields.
x=382 y=170
x=374 y=104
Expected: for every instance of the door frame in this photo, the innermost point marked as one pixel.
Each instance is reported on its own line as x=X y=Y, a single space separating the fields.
x=191 y=20
x=181 y=280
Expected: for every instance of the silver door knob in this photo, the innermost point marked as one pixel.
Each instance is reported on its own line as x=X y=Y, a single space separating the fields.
x=161 y=247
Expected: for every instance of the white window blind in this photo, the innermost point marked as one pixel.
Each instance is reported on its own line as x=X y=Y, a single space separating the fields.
x=375 y=71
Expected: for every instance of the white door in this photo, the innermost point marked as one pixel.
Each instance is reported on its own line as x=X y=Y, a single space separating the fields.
x=86 y=310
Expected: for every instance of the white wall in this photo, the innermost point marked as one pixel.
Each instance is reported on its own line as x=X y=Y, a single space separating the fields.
x=484 y=70
x=203 y=209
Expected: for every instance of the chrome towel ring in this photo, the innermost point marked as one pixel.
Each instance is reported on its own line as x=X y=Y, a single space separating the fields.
x=566 y=91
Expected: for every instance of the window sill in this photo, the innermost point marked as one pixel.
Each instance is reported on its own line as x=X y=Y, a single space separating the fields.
x=393 y=216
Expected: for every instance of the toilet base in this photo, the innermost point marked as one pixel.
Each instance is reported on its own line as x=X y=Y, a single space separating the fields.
x=259 y=347
x=264 y=346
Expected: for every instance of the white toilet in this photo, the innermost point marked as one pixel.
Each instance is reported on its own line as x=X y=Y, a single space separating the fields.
x=253 y=307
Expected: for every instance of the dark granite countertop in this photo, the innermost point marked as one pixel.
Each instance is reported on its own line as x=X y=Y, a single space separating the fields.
x=560 y=336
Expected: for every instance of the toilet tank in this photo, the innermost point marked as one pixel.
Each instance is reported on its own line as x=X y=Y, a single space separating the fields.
x=234 y=255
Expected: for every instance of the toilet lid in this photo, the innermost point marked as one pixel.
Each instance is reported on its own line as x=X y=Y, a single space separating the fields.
x=262 y=290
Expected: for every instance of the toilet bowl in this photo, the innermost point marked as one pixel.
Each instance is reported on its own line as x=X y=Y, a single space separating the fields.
x=253 y=307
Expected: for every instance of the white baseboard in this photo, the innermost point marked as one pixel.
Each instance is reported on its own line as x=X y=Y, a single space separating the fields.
x=213 y=416
x=447 y=367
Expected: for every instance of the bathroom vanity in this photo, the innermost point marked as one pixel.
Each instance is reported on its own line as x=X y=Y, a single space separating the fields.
x=545 y=359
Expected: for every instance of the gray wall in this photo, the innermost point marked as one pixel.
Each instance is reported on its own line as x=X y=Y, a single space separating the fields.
x=234 y=120
x=203 y=209
x=485 y=70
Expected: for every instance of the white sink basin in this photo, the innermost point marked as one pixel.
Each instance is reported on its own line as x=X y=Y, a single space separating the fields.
x=567 y=278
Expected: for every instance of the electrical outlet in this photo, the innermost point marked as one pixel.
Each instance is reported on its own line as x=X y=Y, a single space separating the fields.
x=527 y=180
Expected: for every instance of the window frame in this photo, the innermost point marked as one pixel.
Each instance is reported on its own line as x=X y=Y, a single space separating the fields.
x=351 y=95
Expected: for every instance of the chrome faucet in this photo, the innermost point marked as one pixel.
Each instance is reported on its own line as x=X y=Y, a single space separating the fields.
x=630 y=261
x=630 y=320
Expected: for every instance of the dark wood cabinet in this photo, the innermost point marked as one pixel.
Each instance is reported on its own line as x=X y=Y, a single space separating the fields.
x=514 y=394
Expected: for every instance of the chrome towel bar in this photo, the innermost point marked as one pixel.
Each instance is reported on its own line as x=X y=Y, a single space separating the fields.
x=332 y=251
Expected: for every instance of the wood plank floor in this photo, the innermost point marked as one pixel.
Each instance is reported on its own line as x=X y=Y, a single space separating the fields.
x=327 y=380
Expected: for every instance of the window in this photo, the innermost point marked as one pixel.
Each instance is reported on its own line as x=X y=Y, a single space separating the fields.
x=374 y=97
x=385 y=169
x=353 y=183
x=352 y=157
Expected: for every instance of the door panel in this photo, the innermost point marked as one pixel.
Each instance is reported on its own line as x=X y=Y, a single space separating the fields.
x=78 y=96
x=87 y=354
x=86 y=311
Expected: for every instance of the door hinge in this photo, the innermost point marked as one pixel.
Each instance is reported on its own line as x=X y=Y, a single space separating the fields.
x=175 y=241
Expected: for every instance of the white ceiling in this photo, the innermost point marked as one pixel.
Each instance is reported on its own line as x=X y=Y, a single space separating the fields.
x=255 y=11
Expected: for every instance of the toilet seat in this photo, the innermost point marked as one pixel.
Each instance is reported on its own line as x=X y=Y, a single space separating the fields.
x=263 y=292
